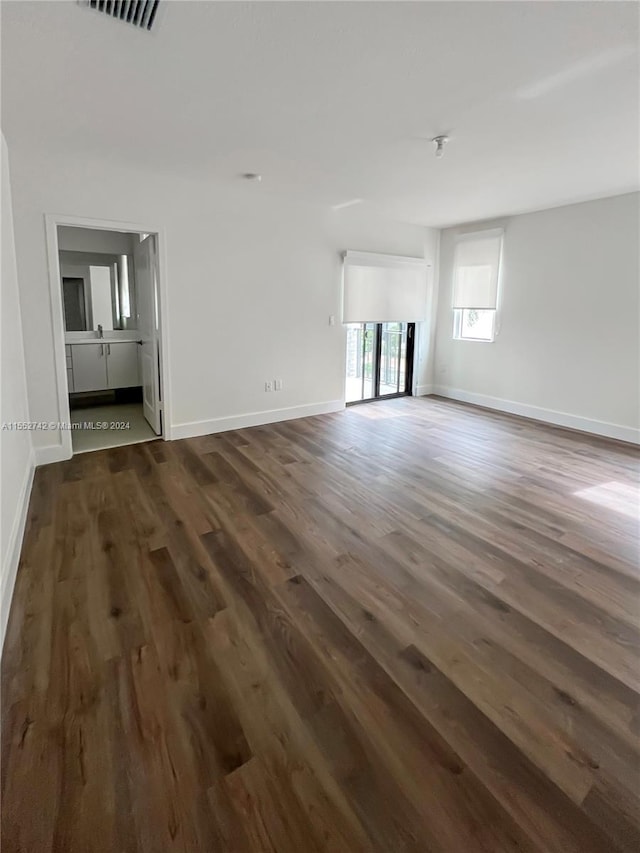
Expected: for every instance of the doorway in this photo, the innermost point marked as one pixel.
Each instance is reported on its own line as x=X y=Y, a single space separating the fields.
x=379 y=361
x=106 y=284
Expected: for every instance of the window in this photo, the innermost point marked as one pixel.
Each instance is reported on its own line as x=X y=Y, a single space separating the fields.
x=474 y=324
x=476 y=276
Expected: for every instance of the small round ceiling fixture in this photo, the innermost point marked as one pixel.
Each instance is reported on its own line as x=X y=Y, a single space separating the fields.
x=252 y=176
x=440 y=142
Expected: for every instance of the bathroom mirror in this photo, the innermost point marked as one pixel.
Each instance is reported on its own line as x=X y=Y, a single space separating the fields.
x=98 y=292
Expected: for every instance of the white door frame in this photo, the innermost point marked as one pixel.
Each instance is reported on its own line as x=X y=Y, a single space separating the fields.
x=52 y=221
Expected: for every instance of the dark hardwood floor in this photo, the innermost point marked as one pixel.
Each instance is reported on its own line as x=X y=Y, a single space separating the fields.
x=411 y=626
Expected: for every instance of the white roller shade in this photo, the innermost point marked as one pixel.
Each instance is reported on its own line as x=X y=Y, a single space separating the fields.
x=383 y=288
x=476 y=269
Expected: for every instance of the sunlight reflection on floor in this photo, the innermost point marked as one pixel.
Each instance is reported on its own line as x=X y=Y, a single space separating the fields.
x=377 y=410
x=620 y=497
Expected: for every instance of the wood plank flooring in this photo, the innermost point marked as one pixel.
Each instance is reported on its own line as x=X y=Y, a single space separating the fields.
x=411 y=626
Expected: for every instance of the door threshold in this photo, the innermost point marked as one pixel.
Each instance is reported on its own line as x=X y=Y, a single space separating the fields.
x=118 y=444
x=379 y=399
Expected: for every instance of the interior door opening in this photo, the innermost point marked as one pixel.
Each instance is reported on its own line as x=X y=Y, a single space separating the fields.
x=379 y=361
x=109 y=284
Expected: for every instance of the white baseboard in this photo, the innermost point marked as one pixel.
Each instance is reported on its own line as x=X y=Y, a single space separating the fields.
x=10 y=568
x=424 y=390
x=195 y=428
x=50 y=453
x=550 y=416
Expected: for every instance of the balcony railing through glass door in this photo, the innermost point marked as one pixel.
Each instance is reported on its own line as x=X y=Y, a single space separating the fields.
x=379 y=359
x=393 y=359
x=360 y=361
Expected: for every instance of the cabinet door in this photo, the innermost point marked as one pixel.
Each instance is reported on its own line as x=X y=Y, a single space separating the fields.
x=122 y=364
x=89 y=367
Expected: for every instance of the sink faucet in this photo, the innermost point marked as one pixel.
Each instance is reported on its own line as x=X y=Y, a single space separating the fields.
x=100 y=332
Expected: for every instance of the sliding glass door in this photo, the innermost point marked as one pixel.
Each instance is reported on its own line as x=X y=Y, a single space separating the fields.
x=361 y=348
x=379 y=360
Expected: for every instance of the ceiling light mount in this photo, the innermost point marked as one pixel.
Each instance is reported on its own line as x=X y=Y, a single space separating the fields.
x=440 y=142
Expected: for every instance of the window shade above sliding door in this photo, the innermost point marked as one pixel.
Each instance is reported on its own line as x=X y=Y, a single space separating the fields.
x=476 y=269
x=383 y=288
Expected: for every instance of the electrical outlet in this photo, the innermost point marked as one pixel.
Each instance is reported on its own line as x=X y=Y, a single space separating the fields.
x=277 y=384
x=268 y=386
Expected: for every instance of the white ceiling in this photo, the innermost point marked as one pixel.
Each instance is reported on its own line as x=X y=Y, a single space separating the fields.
x=335 y=101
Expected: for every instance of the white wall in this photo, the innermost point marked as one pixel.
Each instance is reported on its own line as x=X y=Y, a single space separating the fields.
x=252 y=277
x=16 y=455
x=101 y=304
x=89 y=240
x=567 y=349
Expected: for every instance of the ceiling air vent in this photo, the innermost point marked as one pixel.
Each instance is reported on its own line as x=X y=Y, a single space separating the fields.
x=140 y=13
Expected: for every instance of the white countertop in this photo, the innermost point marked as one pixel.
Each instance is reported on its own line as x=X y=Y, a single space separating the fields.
x=83 y=341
